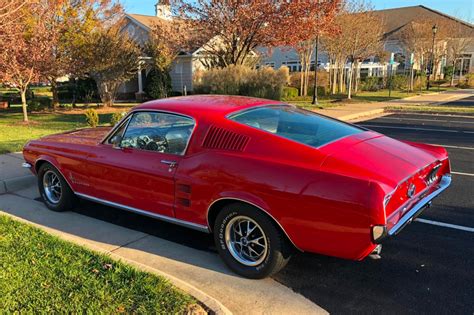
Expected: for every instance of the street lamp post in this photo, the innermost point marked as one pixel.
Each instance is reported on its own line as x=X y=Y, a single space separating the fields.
x=315 y=87
x=435 y=30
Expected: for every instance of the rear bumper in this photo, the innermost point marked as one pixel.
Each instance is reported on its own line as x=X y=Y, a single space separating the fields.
x=416 y=210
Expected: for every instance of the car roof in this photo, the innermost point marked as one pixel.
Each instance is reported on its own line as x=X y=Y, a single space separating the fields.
x=198 y=106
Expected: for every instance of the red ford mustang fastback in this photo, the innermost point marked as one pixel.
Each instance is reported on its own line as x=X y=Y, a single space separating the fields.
x=263 y=176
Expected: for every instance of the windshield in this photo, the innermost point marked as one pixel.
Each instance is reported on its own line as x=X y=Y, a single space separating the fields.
x=295 y=124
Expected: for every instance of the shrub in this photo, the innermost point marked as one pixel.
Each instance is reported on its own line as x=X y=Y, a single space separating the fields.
x=39 y=104
x=399 y=82
x=242 y=80
x=116 y=117
x=290 y=92
x=323 y=79
x=92 y=118
x=371 y=84
x=34 y=105
x=468 y=81
x=158 y=84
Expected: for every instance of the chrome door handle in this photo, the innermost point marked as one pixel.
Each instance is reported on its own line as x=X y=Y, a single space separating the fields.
x=171 y=164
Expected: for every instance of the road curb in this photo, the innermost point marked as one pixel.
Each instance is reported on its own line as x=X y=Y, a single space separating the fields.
x=362 y=114
x=16 y=183
x=212 y=304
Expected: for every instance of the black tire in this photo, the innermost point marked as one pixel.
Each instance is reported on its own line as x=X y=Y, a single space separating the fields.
x=66 y=200
x=278 y=251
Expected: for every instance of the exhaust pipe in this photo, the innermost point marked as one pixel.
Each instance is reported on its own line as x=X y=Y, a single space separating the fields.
x=376 y=252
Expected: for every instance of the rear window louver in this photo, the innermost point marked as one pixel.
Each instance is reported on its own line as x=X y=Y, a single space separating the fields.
x=222 y=139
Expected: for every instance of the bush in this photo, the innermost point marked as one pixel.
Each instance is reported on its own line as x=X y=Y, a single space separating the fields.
x=39 y=104
x=86 y=91
x=290 y=92
x=242 y=80
x=371 y=84
x=34 y=105
x=116 y=117
x=158 y=84
x=468 y=81
x=323 y=80
x=92 y=118
x=399 y=82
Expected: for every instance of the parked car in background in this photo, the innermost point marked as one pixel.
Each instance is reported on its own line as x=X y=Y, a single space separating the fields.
x=266 y=178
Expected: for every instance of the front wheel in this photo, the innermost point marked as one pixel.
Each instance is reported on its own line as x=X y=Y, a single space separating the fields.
x=249 y=242
x=55 y=191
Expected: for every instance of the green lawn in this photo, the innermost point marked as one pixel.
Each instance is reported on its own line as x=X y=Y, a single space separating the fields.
x=41 y=273
x=14 y=134
x=468 y=110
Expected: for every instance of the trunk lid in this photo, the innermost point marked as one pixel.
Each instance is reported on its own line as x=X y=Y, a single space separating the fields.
x=395 y=165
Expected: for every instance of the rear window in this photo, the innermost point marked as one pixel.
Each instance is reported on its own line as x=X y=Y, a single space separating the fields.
x=295 y=124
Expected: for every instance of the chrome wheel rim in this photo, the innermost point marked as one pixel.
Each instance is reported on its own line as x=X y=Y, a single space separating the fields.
x=246 y=241
x=52 y=187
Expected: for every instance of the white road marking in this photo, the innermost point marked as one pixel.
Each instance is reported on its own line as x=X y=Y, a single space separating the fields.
x=451 y=146
x=413 y=128
x=447 y=225
x=432 y=120
x=464 y=174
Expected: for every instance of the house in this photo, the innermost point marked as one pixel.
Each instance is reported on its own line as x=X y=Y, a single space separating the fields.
x=183 y=68
x=395 y=21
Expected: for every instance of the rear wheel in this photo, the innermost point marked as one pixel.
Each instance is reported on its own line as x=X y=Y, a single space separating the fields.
x=55 y=191
x=249 y=242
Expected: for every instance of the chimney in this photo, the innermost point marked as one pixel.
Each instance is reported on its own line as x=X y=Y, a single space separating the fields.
x=163 y=9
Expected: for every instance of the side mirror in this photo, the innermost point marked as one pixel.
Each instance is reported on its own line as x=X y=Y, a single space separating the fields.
x=116 y=141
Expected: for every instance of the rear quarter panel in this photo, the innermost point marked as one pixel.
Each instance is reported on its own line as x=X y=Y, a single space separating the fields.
x=321 y=212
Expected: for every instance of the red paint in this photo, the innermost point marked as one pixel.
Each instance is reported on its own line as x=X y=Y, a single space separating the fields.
x=325 y=199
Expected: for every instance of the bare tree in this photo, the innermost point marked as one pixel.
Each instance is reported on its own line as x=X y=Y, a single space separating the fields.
x=360 y=36
x=459 y=40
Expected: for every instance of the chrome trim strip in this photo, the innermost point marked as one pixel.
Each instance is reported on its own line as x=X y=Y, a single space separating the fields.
x=26 y=165
x=194 y=226
x=420 y=206
x=129 y=115
x=256 y=206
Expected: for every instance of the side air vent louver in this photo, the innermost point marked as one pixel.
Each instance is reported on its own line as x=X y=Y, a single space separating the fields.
x=219 y=138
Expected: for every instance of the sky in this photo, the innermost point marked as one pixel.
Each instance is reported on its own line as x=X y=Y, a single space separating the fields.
x=463 y=9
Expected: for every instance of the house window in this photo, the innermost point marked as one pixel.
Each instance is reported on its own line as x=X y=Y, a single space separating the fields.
x=294 y=66
x=178 y=68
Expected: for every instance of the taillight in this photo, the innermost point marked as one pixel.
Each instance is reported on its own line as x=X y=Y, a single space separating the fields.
x=432 y=175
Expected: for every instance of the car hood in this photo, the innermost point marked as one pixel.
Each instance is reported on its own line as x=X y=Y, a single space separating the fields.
x=87 y=136
x=377 y=157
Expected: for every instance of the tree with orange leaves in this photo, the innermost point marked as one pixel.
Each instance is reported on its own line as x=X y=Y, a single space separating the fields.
x=20 y=60
x=236 y=28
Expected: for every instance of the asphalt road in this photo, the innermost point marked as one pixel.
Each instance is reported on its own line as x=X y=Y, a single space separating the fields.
x=425 y=269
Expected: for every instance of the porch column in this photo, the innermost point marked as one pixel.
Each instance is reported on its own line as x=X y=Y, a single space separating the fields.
x=140 y=80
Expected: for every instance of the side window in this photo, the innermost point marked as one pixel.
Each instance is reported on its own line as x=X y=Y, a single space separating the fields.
x=160 y=132
x=119 y=132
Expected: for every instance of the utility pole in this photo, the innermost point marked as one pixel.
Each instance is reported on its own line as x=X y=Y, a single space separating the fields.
x=315 y=87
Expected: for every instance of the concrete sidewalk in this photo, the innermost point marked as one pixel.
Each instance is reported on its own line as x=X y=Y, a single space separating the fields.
x=12 y=175
x=352 y=112
x=199 y=273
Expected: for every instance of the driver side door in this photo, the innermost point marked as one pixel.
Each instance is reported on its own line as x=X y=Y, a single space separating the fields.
x=138 y=171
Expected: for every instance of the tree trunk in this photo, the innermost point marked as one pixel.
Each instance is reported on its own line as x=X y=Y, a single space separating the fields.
x=334 y=79
x=452 y=75
x=54 y=89
x=23 y=104
x=349 y=85
x=341 y=78
x=301 y=83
